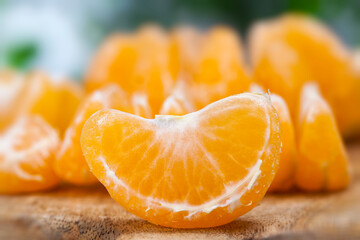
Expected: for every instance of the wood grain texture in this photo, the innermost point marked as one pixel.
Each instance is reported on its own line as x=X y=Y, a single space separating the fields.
x=89 y=213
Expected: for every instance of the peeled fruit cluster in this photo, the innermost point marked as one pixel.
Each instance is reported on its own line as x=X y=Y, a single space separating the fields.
x=179 y=129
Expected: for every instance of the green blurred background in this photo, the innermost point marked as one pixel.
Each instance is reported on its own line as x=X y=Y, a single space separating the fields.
x=60 y=36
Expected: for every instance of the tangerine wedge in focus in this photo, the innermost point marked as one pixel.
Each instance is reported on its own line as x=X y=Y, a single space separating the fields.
x=285 y=177
x=202 y=169
x=70 y=164
x=323 y=164
x=27 y=152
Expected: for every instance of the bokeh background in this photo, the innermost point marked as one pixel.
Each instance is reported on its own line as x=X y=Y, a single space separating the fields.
x=60 y=36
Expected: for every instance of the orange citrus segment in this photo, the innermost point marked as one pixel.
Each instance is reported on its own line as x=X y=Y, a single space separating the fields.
x=11 y=85
x=203 y=169
x=293 y=49
x=56 y=100
x=219 y=69
x=185 y=45
x=322 y=158
x=284 y=178
x=70 y=164
x=27 y=150
x=139 y=62
x=114 y=62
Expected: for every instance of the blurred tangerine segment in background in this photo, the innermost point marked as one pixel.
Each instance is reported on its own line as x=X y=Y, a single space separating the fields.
x=70 y=164
x=293 y=49
x=185 y=45
x=54 y=99
x=27 y=152
x=219 y=69
x=203 y=169
x=114 y=62
x=180 y=102
x=284 y=178
x=138 y=62
x=323 y=164
x=11 y=84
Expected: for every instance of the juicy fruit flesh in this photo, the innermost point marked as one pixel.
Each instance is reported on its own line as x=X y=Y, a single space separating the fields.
x=27 y=150
x=184 y=171
x=322 y=158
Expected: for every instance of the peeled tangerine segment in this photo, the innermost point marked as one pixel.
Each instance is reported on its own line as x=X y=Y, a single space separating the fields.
x=11 y=85
x=137 y=62
x=70 y=163
x=219 y=70
x=284 y=178
x=293 y=49
x=203 y=169
x=27 y=151
x=323 y=163
x=54 y=99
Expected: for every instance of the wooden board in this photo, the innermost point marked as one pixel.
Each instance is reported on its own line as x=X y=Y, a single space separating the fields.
x=89 y=213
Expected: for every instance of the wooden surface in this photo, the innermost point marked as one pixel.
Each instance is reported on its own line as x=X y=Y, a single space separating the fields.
x=89 y=213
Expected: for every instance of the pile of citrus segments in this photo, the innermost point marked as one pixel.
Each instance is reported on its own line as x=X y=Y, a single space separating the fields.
x=186 y=128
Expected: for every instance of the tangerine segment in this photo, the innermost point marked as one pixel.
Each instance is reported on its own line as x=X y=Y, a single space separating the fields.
x=70 y=164
x=114 y=61
x=323 y=161
x=11 y=84
x=27 y=150
x=185 y=45
x=137 y=62
x=284 y=178
x=56 y=100
x=219 y=69
x=203 y=169
x=180 y=102
x=152 y=73
x=293 y=49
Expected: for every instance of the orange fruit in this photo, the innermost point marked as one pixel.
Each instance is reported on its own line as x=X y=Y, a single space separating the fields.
x=70 y=164
x=11 y=84
x=114 y=62
x=27 y=151
x=185 y=45
x=180 y=102
x=202 y=169
x=284 y=178
x=56 y=100
x=219 y=69
x=323 y=161
x=137 y=62
x=293 y=49
x=211 y=63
